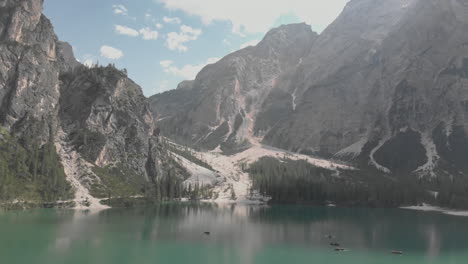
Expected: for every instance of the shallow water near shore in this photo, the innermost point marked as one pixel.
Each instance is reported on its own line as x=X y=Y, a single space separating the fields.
x=174 y=233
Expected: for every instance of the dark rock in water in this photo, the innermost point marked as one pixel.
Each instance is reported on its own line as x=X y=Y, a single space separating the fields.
x=207 y=233
x=335 y=244
x=340 y=249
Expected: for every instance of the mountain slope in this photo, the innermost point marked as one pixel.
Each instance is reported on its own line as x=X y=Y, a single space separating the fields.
x=385 y=89
x=219 y=108
x=94 y=122
x=402 y=90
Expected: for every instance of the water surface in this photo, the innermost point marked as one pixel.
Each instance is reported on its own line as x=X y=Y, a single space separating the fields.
x=174 y=233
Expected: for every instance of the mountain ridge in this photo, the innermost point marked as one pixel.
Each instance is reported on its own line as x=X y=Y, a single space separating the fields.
x=384 y=94
x=222 y=111
x=365 y=85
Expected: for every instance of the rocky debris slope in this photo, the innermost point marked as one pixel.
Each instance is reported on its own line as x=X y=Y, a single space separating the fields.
x=227 y=178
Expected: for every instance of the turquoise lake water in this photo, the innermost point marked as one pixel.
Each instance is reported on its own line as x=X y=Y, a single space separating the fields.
x=174 y=233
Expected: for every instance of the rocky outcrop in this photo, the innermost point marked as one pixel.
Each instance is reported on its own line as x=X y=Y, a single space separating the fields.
x=107 y=118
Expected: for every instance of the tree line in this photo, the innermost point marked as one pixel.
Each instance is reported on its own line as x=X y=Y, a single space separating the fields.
x=300 y=181
x=31 y=172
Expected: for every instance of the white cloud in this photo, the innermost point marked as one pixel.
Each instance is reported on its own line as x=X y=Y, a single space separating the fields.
x=177 y=40
x=250 y=43
x=172 y=20
x=111 y=53
x=148 y=34
x=190 y=31
x=159 y=26
x=166 y=63
x=120 y=10
x=123 y=30
x=186 y=72
x=260 y=14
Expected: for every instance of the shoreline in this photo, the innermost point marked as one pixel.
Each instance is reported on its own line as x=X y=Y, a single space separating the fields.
x=129 y=202
x=431 y=208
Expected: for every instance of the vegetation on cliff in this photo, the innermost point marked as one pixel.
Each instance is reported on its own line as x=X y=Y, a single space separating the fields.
x=31 y=173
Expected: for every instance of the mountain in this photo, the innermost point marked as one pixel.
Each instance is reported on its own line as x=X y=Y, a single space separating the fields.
x=396 y=95
x=220 y=107
x=370 y=111
x=385 y=91
x=69 y=131
x=86 y=136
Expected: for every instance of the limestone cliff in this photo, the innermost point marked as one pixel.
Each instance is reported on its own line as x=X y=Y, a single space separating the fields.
x=97 y=118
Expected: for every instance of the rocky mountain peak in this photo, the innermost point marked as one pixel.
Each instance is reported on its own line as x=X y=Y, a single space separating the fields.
x=185 y=85
x=286 y=35
x=220 y=108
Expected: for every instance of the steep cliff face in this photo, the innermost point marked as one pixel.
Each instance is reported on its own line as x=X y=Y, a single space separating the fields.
x=107 y=127
x=96 y=119
x=331 y=86
x=107 y=108
x=220 y=107
x=389 y=90
x=29 y=84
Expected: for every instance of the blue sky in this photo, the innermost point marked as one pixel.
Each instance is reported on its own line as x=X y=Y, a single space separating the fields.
x=162 y=42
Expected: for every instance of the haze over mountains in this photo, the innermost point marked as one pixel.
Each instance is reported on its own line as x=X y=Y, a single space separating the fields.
x=383 y=88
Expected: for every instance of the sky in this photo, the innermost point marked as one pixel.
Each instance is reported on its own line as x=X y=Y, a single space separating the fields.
x=163 y=42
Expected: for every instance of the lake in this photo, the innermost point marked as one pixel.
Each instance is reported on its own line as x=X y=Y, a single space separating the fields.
x=174 y=233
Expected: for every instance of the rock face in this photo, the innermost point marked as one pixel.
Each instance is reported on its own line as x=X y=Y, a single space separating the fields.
x=109 y=109
x=219 y=108
x=97 y=117
x=390 y=87
x=385 y=84
x=29 y=84
x=332 y=86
